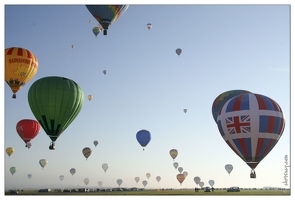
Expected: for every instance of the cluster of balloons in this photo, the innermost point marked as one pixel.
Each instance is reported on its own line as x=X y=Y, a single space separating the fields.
x=251 y=124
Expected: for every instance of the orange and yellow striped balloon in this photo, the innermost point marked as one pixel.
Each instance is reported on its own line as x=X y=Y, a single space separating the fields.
x=21 y=65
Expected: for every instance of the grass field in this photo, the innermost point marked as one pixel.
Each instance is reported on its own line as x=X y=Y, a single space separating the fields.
x=163 y=192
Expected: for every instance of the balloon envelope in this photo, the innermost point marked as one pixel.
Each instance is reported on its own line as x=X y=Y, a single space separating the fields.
x=148 y=175
x=86 y=181
x=95 y=143
x=119 y=182
x=173 y=153
x=27 y=129
x=12 y=170
x=149 y=26
x=143 y=137
x=72 y=171
x=136 y=179
x=158 y=178
x=9 y=151
x=86 y=152
x=105 y=167
x=228 y=168
x=175 y=165
x=180 y=169
x=197 y=180
x=201 y=184
x=184 y=110
x=106 y=15
x=43 y=162
x=104 y=72
x=178 y=51
x=211 y=182
x=100 y=183
x=89 y=97
x=61 y=177
x=144 y=183
x=180 y=178
x=185 y=173
x=251 y=124
x=96 y=31
x=29 y=176
x=221 y=99
x=55 y=102
x=21 y=65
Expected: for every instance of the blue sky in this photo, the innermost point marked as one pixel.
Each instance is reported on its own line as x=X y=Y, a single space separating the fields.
x=147 y=86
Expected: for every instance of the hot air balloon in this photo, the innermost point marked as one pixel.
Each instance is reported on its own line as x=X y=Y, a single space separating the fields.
x=96 y=31
x=105 y=167
x=229 y=168
x=148 y=175
x=173 y=153
x=180 y=178
x=119 y=182
x=86 y=181
x=12 y=170
x=86 y=152
x=21 y=65
x=99 y=183
x=185 y=173
x=144 y=183
x=73 y=46
x=149 y=26
x=201 y=184
x=178 y=51
x=175 y=165
x=89 y=97
x=29 y=176
x=106 y=15
x=184 y=110
x=95 y=142
x=251 y=124
x=104 y=72
x=143 y=137
x=43 y=163
x=158 y=178
x=222 y=98
x=180 y=169
x=61 y=177
x=27 y=129
x=136 y=179
x=72 y=171
x=197 y=180
x=9 y=151
x=211 y=183
x=90 y=21
x=55 y=102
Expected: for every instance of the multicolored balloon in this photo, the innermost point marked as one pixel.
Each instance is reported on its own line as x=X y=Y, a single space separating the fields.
x=9 y=151
x=89 y=97
x=251 y=124
x=96 y=31
x=222 y=98
x=173 y=153
x=27 y=129
x=21 y=65
x=87 y=152
x=55 y=102
x=106 y=15
x=180 y=178
x=149 y=26
x=143 y=137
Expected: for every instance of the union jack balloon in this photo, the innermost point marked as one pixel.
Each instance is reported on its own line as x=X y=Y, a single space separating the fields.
x=251 y=124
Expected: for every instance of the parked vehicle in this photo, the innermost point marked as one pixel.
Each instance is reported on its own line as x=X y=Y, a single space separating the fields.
x=233 y=189
x=207 y=189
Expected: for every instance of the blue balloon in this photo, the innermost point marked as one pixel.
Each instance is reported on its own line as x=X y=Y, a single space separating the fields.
x=143 y=137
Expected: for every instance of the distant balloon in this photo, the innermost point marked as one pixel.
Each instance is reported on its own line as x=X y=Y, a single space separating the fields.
x=149 y=26
x=61 y=177
x=184 y=110
x=221 y=99
x=175 y=165
x=9 y=151
x=180 y=178
x=180 y=169
x=251 y=125
x=43 y=163
x=72 y=171
x=143 y=137
x=90 y=21
x=197 y=180
x=104 y=72
x=89 y=97
x=185 y=174
x=201 y=184
x=136 y=179
x=12 y=170
x=21 y=65
x=73 y=46
x=106 y=15
x=119 y=182
x=229 y=168
x=29 y=176
x=27 y=129
x=86 y=181
x=96 y=31
x=105 y=167
x=95 y=142
x=86 y=152
x=148 y=175
x=100 y=183
x=158 y=178
x=211 y=183
x=178 y=51
x=144 y=183
x=173 y=153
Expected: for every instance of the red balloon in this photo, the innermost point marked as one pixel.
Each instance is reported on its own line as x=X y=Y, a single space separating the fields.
x=27 y=129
